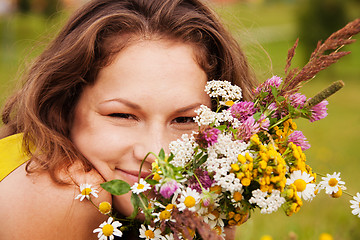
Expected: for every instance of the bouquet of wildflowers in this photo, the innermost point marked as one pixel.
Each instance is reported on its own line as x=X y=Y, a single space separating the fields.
x=246 y=155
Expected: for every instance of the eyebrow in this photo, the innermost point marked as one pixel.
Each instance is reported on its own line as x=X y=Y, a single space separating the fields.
x=188 y=108
x=136 y=106
x=124 y=101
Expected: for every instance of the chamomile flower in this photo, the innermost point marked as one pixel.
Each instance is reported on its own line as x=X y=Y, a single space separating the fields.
x=108 y=229
x=150 y=233
x=304 y=188
x=188 y=199
x=331 y=183
x=355 y=205
x=85 y=191
x=105 y=207
x=140 y=187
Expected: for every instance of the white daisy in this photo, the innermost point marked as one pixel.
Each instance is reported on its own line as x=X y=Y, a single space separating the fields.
x=304 y=188
x=188 y=199
x=332 y=183
x=108 y=229
x=355 y=205
x=164 y=215
x=85 y=191
x=150 y=233
x=140 y=187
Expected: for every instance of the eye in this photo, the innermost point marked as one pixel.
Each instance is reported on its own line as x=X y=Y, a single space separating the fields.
x=183 y=120
x=122 y=115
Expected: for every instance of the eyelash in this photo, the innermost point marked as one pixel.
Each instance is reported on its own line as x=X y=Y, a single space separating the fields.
x=178 y=120
x=122 y=115
x=187 y=120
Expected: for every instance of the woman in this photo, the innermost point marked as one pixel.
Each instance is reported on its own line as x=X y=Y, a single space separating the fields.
x=121 y=79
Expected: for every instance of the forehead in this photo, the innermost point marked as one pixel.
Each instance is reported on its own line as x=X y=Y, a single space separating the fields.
x=148 y=68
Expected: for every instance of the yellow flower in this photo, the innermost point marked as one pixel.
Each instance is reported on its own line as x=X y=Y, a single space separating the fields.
x=235 y=167
x=266 y=237
x=156 y=177
x=229 y=103
x=325 y=236
x=105 y=207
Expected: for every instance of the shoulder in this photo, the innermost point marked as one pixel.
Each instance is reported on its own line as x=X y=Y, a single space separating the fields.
x=35 y=207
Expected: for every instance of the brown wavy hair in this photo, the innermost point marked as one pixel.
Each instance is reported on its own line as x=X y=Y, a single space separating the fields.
x=43 y=108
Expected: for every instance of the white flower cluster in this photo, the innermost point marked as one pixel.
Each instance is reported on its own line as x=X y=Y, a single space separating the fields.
x=267 y=203
x=220 y=157
x=183 y=149
x=205 y=117
x=223 y=89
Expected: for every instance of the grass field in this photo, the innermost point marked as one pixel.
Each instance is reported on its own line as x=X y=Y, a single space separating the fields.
x=266 y=32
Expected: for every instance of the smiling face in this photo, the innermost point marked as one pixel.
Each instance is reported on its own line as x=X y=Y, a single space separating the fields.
x=139 y=103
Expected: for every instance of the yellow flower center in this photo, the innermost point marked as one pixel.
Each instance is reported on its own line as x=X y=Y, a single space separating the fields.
x=300 y=185
x=337 y=194
x=333 y=182
x=140 y=186
x=105 y=207
x=218 y=230
x=164 y=215
x=237 y=196
x=169 y=207
x=189 y=201
x=149 y=234
x=108 y=230
x=86 y=191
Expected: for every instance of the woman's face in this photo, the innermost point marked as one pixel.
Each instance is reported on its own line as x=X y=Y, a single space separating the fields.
x=139 y=103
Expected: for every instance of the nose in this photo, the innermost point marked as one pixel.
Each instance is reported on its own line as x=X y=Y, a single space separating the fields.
x=152 y=139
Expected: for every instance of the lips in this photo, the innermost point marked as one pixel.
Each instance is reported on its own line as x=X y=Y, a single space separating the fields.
x=132 y=175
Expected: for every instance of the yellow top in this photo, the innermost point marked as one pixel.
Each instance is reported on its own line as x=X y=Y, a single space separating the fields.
x=11 y=154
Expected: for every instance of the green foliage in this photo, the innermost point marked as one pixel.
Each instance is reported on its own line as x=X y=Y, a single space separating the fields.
x=318 y=19
x=116 y=187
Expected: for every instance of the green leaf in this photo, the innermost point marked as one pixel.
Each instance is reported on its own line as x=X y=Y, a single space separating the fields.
x=171 y=157
x=263 y=94
x=221 y=127
x=151 y=182
x=281 y=99
x=257 y=116
x=202 y=160
x=162 y=154
x=116 y=187
x=274 y=91
x=135 y=200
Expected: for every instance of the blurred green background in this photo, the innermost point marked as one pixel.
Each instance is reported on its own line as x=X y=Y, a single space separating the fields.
x=266 y=30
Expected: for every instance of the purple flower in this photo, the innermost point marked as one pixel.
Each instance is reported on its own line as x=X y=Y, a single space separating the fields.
x=274 y=81
x=273 y=107
x=319 y=111
x=169 y=188
x=297 y=100
x=298 y=138
x=242 y=110
x=211 y=135
x=204 y=178
x=264 y=123
x=248 y=128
